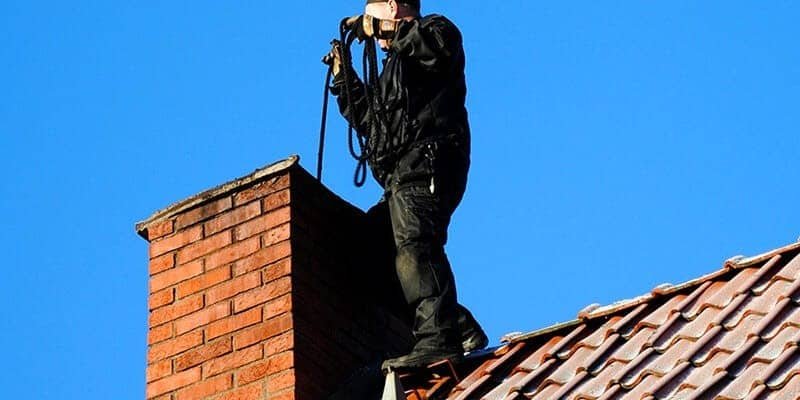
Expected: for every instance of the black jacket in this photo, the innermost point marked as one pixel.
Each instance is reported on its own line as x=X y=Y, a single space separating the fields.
x=423 y=90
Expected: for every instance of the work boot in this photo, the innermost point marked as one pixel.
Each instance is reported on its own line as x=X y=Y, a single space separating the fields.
x=472 y=335
x=422 y=357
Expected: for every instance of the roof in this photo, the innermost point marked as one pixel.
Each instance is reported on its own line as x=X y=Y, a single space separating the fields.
x=254 y=177
x=731 y=334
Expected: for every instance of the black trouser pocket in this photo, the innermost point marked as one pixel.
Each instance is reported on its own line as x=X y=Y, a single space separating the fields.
x=415 y=166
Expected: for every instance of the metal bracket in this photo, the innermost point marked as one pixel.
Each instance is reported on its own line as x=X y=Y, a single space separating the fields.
x=393 y=388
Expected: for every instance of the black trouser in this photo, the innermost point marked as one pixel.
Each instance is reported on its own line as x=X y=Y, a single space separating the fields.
x=410 y=225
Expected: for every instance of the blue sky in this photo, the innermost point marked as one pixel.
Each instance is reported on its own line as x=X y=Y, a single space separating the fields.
x=617 y=146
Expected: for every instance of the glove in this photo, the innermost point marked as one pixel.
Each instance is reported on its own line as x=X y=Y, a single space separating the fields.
x=334 y=58
x=366 y=26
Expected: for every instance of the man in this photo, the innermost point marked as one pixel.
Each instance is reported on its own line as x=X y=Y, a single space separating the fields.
x=419 y=154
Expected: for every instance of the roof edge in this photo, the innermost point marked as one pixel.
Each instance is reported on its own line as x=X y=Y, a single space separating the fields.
x=521 y=337
x=258 y=175
x=595 y=311
x=738 y=262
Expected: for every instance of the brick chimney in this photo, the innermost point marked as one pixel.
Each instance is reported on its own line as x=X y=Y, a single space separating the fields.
x=258 y=290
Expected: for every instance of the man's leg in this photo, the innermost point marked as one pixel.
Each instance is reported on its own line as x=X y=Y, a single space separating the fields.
x=381 y=253
x=420 y=209
x=420 y=225
x=450 y=177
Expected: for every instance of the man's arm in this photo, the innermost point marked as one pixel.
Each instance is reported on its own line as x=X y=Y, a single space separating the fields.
x=434 y=42
x=357 y=114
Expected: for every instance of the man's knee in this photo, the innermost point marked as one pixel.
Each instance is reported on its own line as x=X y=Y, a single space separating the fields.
x=420 y=274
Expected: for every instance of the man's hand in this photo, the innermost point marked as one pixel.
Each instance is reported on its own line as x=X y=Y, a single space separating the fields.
x=334 y=57
x=366 y=26
x=337 y=58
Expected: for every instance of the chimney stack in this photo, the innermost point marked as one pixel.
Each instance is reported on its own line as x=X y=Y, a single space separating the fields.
x=259 y=290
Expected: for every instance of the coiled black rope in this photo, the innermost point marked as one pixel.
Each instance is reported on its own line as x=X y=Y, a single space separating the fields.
x=375 y=109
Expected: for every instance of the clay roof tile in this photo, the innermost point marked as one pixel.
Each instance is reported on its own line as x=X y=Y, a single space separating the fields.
x=730 y=334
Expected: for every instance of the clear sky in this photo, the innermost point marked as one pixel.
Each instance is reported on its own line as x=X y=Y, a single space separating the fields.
x=617 y=146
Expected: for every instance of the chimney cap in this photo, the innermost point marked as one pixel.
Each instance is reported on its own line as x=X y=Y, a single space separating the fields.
x=258 y=175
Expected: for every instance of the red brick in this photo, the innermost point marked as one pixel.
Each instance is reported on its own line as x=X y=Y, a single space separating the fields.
x=161 y=298
x=179 y=309
x=202 y=317
x=271 y=366
x=280 y=381
x=233 y=217
x=232 y=253
x=234 y=360
x=203 y=281
x=159 y=229
x=233 y=287
x=175 y=241
x=203 y=212
x=206 y=388
x=261 y=189
x=246 y=393
x=173 y=382
x=278 y=306
x=275 y=235
x=279 y=344
x=277 y=270
x=262 y=258
x=171 y=347
x=203 y=354
x=175 y=275
x=162 y=263
x=158 y=370
x=262 y=294
x=276 y=200
x=268 y=329
x=262 y=223
x=233 y=323
x=203 y=247
x=159 y=334
x=283 y=396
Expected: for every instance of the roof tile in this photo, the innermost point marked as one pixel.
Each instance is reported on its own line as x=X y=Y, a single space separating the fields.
x=598 y=337
x=596 y=384
x=538 y=357
x=761 y=304
x=703 y=373
x=741 y=386
x=546 y=393
x=792 y=387
x=788 y=367
x=633 y=346
x=571 y=367
x=701 y=299
x=509 y=386
x=501 y=362
x=637 y=369
x=474 y=377
x=731 y=334
x=641 y=390
x=741 y=283
x=785 y=313
x=467 y=392
x=658 y=317
x=791 y=271
x=770 y=351
x=733 y=338
x=533 y=379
